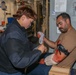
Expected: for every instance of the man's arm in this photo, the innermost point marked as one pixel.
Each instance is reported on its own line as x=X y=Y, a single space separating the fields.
x=42 y=39
x=50 y=43
x=69 y=60
x=55 y=58
x=60 y=53
x=59 y=57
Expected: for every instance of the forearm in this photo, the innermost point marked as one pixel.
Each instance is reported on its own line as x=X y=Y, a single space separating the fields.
x=58 y=57
x=50 y=43
x=24 y=60
x=19 y=55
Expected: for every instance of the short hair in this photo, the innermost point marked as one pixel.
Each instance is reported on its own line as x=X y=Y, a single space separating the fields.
x=27 y=11
x=64 y=16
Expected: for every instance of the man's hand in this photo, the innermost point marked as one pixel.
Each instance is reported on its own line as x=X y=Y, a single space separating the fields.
x=42 y=48
x=40 y=35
